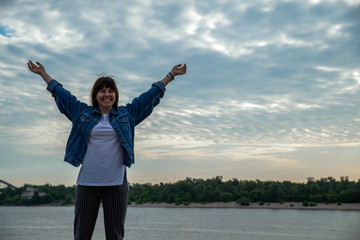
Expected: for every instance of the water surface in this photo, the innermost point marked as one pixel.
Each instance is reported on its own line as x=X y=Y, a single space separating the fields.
x=146 y=223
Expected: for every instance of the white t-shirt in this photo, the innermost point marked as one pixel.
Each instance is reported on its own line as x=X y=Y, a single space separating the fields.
x=103 y=162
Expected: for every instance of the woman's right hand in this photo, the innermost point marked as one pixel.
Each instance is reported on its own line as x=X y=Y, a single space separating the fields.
x=39 y=69
x=36 y=69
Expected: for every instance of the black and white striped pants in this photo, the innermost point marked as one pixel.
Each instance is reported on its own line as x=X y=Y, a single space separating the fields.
x=87 y=202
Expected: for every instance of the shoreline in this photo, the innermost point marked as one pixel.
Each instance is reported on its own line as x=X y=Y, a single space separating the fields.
x=285 y=205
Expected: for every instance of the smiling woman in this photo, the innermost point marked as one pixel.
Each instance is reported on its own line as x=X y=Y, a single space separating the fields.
x=102 y=141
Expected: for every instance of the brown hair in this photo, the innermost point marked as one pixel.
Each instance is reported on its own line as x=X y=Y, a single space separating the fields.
x=99 y=84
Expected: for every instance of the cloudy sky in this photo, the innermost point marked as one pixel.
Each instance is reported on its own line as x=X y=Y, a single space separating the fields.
x=272 y=90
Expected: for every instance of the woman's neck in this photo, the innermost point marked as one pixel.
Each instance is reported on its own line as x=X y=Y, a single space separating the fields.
x=105 y=110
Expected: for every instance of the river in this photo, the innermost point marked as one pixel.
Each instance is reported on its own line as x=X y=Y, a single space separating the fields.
x=147 y=223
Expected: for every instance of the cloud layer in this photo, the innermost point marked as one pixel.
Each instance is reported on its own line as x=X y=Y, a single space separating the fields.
x=272 y=89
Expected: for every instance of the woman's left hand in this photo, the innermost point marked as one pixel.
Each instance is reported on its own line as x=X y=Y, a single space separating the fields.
x=179 y=69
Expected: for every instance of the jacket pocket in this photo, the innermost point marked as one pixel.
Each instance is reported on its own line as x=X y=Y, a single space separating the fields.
x=122 y=118
x=84 y=126
x=123 y=128
x=84 y=119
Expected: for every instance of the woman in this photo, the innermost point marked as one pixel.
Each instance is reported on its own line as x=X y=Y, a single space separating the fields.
x=102 y=141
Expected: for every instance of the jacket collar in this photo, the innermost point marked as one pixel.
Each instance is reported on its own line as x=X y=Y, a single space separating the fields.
x=113 y=111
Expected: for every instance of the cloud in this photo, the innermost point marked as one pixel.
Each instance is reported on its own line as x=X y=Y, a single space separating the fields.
x=266 y=79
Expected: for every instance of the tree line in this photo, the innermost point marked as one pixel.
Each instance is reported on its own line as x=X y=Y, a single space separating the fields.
x=324 y=190
x=44 y=194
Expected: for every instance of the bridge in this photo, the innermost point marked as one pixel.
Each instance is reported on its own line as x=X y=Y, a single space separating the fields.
x=7 y=184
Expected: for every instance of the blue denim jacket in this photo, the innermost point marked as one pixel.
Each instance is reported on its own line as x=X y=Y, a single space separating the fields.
x=84 y=118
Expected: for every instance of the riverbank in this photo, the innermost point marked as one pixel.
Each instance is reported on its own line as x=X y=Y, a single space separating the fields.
x=286 y=205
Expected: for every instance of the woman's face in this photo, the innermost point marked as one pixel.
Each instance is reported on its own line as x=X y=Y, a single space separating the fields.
x=106 y=98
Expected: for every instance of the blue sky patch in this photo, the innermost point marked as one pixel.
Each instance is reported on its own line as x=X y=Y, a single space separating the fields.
x=6 y=31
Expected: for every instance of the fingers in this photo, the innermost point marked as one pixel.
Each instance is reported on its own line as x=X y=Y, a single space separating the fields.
x=40 y=65
x=184 y=67
x=34 y=65
x=30 y=65
x=179 y=66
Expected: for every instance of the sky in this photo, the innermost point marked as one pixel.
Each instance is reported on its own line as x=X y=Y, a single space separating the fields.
x=271 y=92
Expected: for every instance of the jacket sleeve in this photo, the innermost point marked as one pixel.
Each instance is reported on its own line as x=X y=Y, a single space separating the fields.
x=65 y=101
x=142 y=106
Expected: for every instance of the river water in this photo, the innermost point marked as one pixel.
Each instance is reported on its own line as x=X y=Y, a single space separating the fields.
x=146 y=223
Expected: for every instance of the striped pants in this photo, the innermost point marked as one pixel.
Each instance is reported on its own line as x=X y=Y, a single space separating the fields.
x=87 y=202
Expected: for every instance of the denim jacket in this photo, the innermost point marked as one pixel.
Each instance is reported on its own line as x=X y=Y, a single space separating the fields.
x=123 y=119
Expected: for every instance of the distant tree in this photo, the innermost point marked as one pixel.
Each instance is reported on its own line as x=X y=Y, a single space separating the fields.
x=36 y=198
x=68 y=199
x=332 y=197
x=243 y=201
x=226 y=197
x=305 y=203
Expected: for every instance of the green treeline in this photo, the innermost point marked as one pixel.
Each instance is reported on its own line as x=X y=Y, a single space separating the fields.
x=324 y=190
x=45 y=194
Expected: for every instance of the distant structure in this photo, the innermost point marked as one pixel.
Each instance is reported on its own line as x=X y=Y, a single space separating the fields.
x=30 y=192
x=7 y=184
